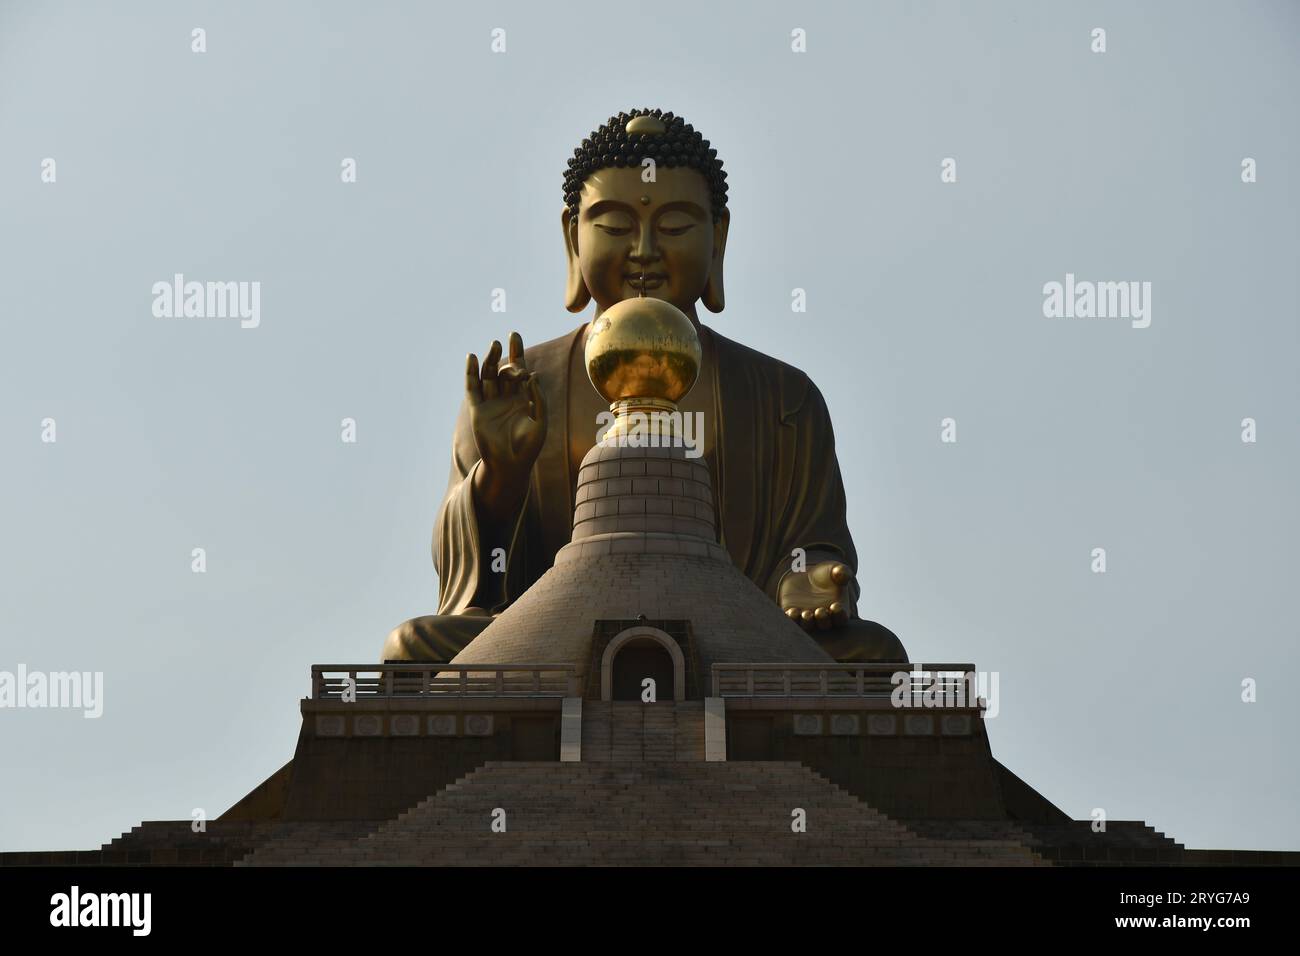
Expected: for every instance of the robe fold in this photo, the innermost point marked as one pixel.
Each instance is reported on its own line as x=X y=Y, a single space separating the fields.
x=776 y=480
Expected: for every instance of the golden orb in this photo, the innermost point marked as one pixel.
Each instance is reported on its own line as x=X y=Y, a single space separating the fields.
x=642 y=348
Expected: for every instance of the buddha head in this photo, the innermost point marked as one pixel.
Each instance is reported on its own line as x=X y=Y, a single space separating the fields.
x=635 y=228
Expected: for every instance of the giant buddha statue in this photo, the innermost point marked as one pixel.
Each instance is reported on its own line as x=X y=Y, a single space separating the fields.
x=645 y=214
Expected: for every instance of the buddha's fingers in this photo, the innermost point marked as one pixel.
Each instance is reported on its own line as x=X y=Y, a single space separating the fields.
x=473 y=385
x=517 y=351
x=839 y=613
x=511 y=380
x=513 y=374
x=489 y=376
x=822 y=618
x=796 y=614
x=830 y=573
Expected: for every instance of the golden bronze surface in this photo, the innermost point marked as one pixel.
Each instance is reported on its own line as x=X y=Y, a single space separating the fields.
x=645 y=124
x=642 y=348
x=645 y=252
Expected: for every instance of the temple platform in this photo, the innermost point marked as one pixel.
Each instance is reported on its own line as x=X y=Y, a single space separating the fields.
x=451 y=765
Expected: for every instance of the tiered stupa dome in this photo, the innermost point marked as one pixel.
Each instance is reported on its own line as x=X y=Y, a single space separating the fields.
x=644 y=540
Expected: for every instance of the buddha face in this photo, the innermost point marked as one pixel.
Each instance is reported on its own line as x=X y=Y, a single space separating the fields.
x=659 y=236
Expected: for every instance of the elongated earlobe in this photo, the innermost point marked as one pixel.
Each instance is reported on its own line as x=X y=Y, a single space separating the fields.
x=714 y=298
x=576 y=294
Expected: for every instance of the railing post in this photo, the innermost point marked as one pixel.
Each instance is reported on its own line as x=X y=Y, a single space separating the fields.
x=424 y=681
x=317 y=683
x=501 y=681
x=749 y=681
x=785 y=681
x=861 y=682
x=388 y=681
x=537 y=682
x=464 y=683
x=825 y=692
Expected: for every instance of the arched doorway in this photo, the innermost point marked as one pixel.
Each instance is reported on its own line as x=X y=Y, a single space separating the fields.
x=638 y=653
x=639 y=659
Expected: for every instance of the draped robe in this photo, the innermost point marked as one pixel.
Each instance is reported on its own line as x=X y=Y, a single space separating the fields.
x=776 y=485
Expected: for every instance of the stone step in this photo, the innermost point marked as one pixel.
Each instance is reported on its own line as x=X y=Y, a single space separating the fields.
x=641 y=813
x=631 y=731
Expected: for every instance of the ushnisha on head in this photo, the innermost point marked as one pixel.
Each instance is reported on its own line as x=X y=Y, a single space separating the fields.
x=626 y=139
x=645 y=214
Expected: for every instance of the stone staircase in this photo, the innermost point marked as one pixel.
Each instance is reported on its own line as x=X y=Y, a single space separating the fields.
x=641 y=812
x=632 y=732
x=1071 y=843
x=174 y=842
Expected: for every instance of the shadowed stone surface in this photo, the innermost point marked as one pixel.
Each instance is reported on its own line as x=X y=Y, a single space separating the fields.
x=643 y=544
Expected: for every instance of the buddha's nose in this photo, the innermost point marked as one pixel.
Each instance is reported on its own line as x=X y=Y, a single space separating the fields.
x=645 y=250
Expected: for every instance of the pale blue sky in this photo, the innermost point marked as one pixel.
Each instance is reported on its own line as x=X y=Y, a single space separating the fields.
x=1119 y=691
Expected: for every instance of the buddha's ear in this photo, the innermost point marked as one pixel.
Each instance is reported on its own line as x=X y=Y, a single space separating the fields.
x=576 y=295
x=714 y=298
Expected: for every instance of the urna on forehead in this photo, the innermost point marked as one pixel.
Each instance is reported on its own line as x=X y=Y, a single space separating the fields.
x=642 y=138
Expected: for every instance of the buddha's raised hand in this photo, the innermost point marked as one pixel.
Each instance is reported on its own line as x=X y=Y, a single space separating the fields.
x=508 y=416
x=816 y=598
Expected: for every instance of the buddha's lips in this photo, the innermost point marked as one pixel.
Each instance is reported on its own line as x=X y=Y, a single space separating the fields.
x=651 y=280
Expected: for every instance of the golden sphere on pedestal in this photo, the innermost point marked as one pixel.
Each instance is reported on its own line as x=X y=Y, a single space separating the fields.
x=642 y=348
